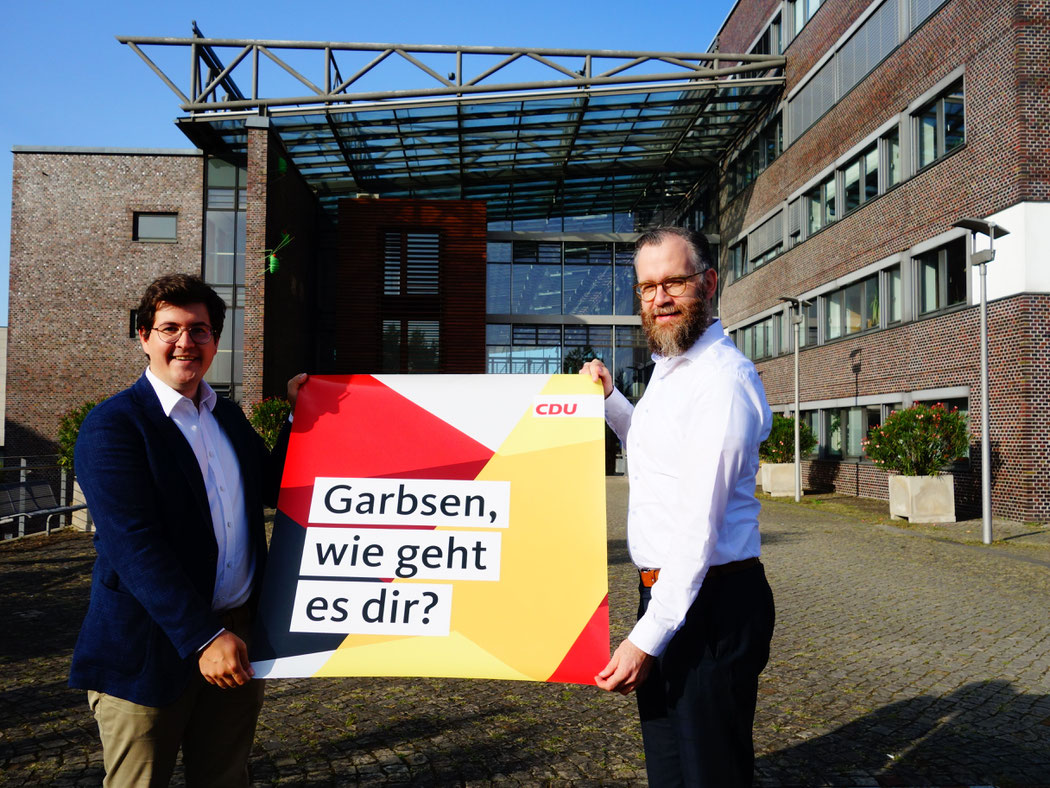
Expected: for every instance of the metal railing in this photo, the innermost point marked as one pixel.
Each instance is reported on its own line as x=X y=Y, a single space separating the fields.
x=37 y=496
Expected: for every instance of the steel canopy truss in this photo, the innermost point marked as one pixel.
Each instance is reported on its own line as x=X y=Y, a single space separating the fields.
x=603 y=131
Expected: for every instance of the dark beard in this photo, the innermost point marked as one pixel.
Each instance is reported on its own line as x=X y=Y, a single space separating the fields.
x=675 y=339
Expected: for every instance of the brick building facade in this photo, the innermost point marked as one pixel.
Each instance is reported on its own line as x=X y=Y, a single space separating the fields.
x=897 y=119
x=944 y=107
x=77 y=271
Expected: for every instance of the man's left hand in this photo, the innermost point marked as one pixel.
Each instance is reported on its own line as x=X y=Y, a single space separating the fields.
x=628 y=668
x=294 y=385
x=224 y=662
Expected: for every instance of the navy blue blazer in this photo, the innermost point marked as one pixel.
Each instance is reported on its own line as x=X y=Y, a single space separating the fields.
x=151 y=589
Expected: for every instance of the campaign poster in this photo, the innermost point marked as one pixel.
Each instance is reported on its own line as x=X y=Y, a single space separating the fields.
x=440 y=525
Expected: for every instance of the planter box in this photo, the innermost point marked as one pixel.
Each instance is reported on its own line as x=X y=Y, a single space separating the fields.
x=922 y=499
x=778 y=478
x=81 y=517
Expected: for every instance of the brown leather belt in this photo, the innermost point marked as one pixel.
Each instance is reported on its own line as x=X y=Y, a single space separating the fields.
x=649 y=576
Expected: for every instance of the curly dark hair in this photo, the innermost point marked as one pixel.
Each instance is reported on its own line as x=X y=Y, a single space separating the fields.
x=180 y=290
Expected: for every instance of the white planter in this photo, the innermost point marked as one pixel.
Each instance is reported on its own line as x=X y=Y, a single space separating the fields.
x=81 y=517
x=922 y=499
x=778 y=478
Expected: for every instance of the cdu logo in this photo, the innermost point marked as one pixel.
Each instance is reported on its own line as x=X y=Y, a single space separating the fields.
x=578 y=406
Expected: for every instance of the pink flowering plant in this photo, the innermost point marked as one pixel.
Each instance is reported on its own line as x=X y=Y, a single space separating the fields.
x=918 y=441
x=780 y=445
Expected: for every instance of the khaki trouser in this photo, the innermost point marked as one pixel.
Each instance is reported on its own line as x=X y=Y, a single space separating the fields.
x=214 y=727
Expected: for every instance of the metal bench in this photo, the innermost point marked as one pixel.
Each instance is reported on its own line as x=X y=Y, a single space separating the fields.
x=21 y=500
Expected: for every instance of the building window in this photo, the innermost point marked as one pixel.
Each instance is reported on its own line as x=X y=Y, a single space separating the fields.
x=852 y=309
x=860 y=179
x=225 y=236
x=154 y=227
x=892 y=277
x=846 y=429
x=587 y=279
x=891 y=152
x=756 y=340
x=800 y=12
x=497 y=278
x=411 y=346
x=537 y=281
x=545 y=349
x=411 y=262
x=738 y=259
x=821 y=206
x=631 y=362
x=759 y=153
x=941 y=275
x=940 y=126
x=770 y=41
x=624 y=300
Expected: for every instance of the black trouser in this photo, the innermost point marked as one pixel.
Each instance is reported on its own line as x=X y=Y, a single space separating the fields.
x=697 y=706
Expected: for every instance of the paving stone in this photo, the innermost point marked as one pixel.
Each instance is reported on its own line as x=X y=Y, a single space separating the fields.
x=902 y=656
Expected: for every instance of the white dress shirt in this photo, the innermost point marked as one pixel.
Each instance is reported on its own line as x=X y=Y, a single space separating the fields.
x=222 y=481
x=692 y=455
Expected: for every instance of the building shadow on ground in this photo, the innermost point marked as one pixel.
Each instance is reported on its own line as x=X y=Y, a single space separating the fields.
x=983 y=733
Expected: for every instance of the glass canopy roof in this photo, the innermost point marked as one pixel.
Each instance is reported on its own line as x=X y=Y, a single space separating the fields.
x=629 y=132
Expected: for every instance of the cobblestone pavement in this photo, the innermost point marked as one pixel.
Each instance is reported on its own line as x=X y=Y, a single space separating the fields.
x=903 y=656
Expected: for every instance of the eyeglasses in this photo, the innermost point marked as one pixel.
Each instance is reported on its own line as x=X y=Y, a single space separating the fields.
x=672 y=285
x=170 y=333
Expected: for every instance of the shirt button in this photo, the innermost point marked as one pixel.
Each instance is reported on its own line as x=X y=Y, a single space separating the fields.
x=211 y=454
x=229 y=566
x=221 y=488
x=229 y=525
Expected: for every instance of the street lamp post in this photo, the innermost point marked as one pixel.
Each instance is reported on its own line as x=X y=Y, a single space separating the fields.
x=796 y=311
x=982 y=258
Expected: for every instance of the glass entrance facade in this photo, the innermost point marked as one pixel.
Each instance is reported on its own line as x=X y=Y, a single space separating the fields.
x=554 y=303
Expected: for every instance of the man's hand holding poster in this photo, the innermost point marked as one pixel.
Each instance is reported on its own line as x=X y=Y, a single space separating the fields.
x=440 y=525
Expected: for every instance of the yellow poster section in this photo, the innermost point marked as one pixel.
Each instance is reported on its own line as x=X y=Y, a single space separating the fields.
x=553 y=573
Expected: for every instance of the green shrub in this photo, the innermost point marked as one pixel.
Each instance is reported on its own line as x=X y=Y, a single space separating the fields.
x=918 y=441
x=268 y=416
x=780 y=445
x=68 y=429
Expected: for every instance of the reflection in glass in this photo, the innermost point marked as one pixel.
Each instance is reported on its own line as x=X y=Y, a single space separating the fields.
x=833 y=322
x=851 y=186
x=536 y=278
x=853 y=301
x=893 y=314
x=928 y=135
x=631 y=359
x=624 y=300
x=588 y=279
x=893 y=158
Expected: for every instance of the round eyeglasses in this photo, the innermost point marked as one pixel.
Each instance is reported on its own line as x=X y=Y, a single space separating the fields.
x=673 y=285
x=170 y=333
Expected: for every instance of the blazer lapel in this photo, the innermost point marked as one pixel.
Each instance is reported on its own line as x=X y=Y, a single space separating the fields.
x=175 y=442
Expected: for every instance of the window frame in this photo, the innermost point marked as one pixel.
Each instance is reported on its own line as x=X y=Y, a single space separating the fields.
x=138 y=237
x=954 y=93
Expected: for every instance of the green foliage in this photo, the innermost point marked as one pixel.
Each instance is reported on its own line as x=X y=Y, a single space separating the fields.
x=780 y=445
x=576 y=358
x=268 y=417
x=68 y=429
x=919 y=441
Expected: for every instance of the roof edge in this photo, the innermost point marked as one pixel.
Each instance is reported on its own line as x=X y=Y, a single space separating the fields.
x=92 y=151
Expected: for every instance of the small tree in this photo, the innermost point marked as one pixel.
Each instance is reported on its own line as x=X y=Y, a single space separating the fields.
x=918 y=441
x=268 y=416
x=68 y=430
x=780 y=445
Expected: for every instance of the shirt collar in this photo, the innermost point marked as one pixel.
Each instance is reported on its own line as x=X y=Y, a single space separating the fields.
x=169 y=397
x=711 y=334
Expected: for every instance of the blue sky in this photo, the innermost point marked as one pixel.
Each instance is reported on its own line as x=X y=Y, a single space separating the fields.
x=68 y=82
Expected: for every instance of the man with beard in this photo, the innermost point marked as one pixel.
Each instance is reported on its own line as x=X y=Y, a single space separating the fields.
x=706 y=611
